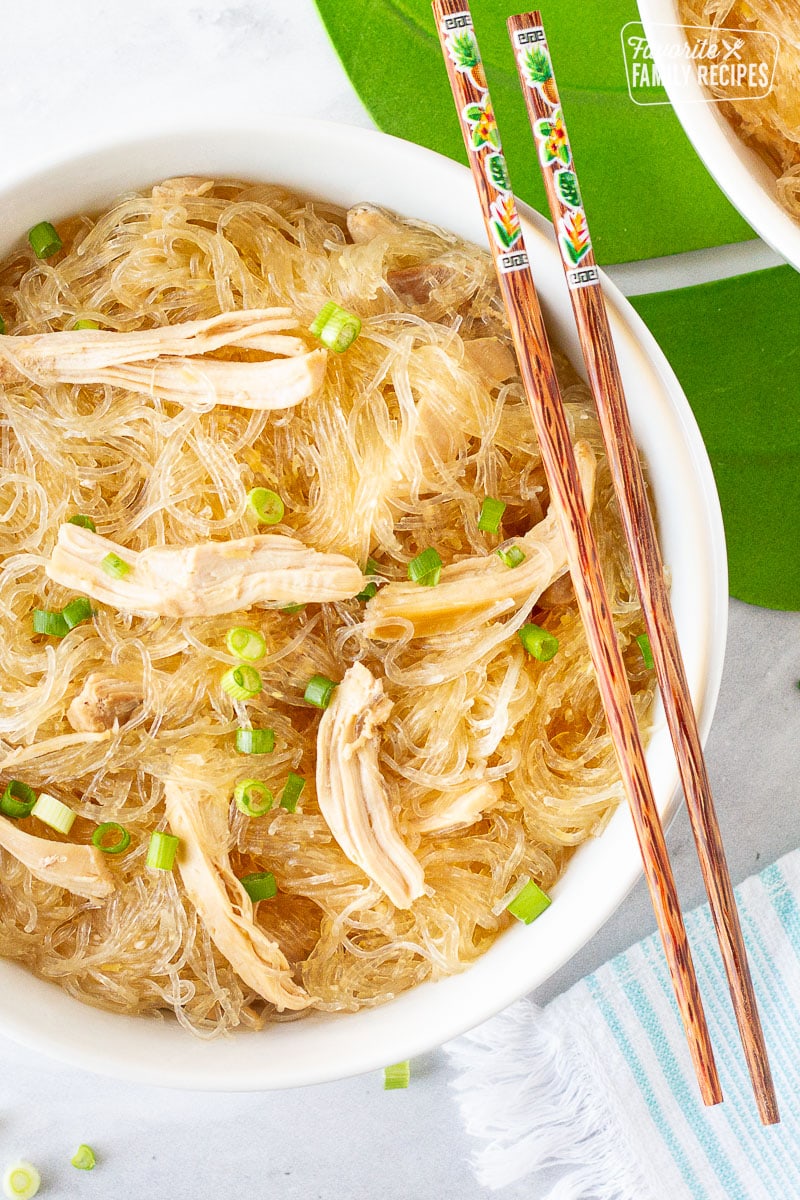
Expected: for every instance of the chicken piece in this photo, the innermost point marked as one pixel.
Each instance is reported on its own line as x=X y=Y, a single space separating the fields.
x=80 y=869
x=350 y=789
x=103 y=701
x=199 y=817
x=466 y=809
x=492 y=358
x=368 y=221
x=168 y=361
x=202 y=580
x=47 y=747
x=470 y=587
x=414 y=284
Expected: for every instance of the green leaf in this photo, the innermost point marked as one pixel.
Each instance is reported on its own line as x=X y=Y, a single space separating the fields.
x=473 y=112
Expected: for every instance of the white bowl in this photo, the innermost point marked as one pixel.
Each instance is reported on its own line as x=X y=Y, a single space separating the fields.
x=742 y=174
x=347 y=165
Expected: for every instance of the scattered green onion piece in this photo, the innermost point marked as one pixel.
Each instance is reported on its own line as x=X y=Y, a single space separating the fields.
x=77 y=611
x=17 y=800
x=84 y=1158
x=266 y=505
x=397 y=1076
x=122 y=839
x=260 y=885
x=335 y=327
x=529 y=903
x=292 y=791
x=86 y=323
x=44 y=240
x=255 y=741
x=115 y=566
x=83 y=521
x=512 y=556
x=21 y=1181
x=53 y=813
x=426 y=568
x=643 y=642
x=253 y=798
x=50 y=623
x=291 y=608
x=162 y=851
x=538 y=642
x=2 y=326
x=370 y=589
x=319 y=690
x=247 y=644
x=242 y=682
x=491 y=515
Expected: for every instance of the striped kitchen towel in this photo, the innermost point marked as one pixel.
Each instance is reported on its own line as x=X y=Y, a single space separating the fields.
x=599 y=1083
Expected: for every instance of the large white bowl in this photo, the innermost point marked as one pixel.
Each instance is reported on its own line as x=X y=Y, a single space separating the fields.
x=347 y=165
x=742 y=174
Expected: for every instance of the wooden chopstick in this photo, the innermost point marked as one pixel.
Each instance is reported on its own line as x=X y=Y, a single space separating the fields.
x=537 y=78
x=473 y=105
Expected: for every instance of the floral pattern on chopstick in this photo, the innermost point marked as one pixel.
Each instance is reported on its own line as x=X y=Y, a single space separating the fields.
x=505 y=221
x=551 y=135
x=574 y=236
x=483 y=127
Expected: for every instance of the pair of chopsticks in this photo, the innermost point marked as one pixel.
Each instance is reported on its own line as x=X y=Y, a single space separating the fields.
x=478 y=126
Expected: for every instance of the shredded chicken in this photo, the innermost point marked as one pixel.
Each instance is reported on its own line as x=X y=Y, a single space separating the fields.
x=103 y=701
x=368 y=221
x=206 y=579
x=468 y=588
x=80 y=869
x=168 y=362
x=414 y=285
x=466 y=809
x=199 y=817
x=493 y=358
x=351 y=792
x=49 y=746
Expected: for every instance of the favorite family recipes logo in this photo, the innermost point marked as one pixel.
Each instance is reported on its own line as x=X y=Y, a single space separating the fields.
x=728 y=64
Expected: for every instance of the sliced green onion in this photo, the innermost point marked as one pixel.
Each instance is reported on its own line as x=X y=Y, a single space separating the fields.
x=260 y=885
x=538 y=642
x=253 y=798
x=50 y=623
x=121 y=838
x=77 y=611
x=396 y=1076
x=115 y=566
x=247 y=644
x=529 y=903
x=84 y=1158
x=319 y=690
x=17 y=800
x=44 y=240
x=292 y=608
x=335 y=327
x=162 y=851
x=2 y=326
x=86 y=323
x=643 y=642
x=83 y=521
x=21 y=1181
x=255 y=741
x=512 y=556
x=242 y=682
x=266 y=505
x=491 y=515
x=53 y=813
x=370 y=589
x=292 y=791
x=426 y=568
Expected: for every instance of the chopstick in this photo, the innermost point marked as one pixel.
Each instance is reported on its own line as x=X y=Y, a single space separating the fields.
x=473 y=105
x=537 y=79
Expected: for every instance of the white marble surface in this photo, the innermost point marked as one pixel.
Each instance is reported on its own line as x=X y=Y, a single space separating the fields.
x=64 y=70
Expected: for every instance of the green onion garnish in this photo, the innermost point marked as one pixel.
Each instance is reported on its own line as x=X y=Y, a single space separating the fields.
x=242 y=682
x=255 y=741
x=247 y=644
x=83 y=521
x=512 y=556
x=77 y=611
x=44 y=240
x=253 y=798
x=291 y=608
x=538 y=642
x=292 y=791
x=370 y=589
x=260 y=885
x=2 y=326
x=335 y=327
x=491 y=515
x=319 y=690
x=396 y=1076
x=86 y=323
x=529 y=903
x=119 y=834
x=17 y=800
x=21 y=1181
x=50 y=623
x=162 y=851
x=115 y=566
x=643 y=642
x=53 y=813
x=426 y=568
x=266 y=505
x=84 y=1158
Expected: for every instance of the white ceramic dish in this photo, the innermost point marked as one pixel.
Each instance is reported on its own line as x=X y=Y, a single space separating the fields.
x=743 y=176
x=347 y=165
